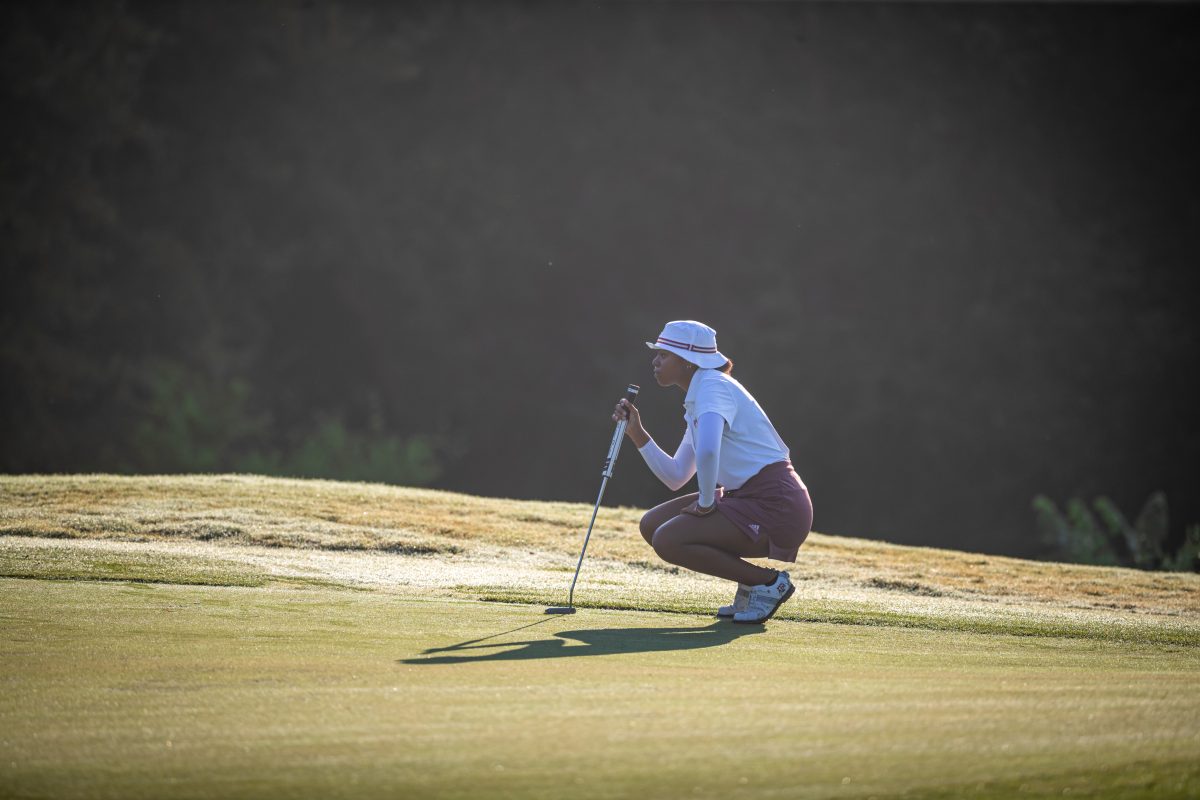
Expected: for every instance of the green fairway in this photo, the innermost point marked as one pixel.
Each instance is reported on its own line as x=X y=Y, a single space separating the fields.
x=138 y=690
x=242 y=637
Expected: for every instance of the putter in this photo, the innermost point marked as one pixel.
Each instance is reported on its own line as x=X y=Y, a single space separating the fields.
x=614 y=449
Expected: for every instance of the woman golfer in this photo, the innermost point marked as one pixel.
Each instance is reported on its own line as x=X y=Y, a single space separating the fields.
x=751 y=503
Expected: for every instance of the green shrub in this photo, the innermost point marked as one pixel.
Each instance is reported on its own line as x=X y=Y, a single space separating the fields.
x=1107 y=538
x=192 y=422
x=1187 y=557
x=332 y=450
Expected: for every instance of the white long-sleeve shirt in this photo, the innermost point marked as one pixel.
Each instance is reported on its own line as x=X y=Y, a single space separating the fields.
x=728 y=438
x=699 y=458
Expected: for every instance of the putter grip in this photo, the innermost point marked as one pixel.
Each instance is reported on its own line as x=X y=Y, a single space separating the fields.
x=631 y=392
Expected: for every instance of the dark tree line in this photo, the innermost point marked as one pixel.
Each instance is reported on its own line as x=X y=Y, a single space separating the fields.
x=950 y=248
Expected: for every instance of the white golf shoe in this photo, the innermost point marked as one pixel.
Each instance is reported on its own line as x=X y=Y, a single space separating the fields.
x=765 y=600
x=740 y=601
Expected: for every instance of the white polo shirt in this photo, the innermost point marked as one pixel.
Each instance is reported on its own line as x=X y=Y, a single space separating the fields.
x=749 y=441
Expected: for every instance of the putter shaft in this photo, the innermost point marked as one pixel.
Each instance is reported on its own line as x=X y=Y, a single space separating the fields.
x=614 y=449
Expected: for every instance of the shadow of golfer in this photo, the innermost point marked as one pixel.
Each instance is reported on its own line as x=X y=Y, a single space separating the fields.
x=589 y=642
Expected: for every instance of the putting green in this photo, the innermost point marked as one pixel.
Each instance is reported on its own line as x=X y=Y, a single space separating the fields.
x=128 y=690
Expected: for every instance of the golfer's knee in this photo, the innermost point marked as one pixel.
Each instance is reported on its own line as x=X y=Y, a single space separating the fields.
x=648 y=526
x=666 y=548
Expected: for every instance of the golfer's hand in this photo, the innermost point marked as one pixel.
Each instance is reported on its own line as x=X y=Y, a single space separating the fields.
x=626 y=410
x=696 y=510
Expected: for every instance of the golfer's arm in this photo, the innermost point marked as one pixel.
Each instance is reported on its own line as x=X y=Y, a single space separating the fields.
x=674 y=472
x=638 y=436
x=709 y=428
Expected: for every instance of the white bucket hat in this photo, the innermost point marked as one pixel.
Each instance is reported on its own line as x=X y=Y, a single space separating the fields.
x=692 y=341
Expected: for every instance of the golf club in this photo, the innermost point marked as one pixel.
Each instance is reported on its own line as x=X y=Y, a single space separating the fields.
x=614 y=449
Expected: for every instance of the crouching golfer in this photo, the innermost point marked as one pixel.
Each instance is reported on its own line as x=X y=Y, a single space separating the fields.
x=751 y=503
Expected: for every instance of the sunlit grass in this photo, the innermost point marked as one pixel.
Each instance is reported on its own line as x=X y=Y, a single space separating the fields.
x=153 y=690
x=219 y=636
x=524 y=551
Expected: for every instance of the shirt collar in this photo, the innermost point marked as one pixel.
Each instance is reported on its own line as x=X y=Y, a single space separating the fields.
x=689 y=399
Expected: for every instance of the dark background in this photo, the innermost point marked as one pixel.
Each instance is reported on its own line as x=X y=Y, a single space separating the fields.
x=952 y=248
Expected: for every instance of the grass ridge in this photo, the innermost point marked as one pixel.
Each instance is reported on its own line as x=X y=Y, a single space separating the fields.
x=522 y=550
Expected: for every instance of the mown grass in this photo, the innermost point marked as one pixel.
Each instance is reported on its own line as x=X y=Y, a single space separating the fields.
x=150 y=691
x=59 y=561
x=73 y=564
x=841 y=579
x=1011 y=623
x=193 y=637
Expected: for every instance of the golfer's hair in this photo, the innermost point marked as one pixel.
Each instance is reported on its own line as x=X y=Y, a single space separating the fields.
x=727 y=368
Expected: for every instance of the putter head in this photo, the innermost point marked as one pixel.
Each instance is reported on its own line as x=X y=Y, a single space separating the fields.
x=560 y=610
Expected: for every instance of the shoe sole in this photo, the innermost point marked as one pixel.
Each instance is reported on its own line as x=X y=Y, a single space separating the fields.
x=791 y=590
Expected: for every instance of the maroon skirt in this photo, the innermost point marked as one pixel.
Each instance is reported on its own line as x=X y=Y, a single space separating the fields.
x=775 y=504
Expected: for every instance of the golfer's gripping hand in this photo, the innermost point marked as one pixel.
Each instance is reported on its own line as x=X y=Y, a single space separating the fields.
x=634 y=430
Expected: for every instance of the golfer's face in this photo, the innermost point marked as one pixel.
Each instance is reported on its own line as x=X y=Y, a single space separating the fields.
x=669 y=369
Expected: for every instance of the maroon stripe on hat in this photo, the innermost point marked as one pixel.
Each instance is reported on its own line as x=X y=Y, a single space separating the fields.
x=695 y=348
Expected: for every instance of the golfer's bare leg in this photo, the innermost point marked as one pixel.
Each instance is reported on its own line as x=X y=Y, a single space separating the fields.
x=712 y=545
x=656 y=517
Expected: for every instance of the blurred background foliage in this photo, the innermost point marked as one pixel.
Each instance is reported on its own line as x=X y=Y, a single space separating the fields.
x=1102 y=535
x=950 y=247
